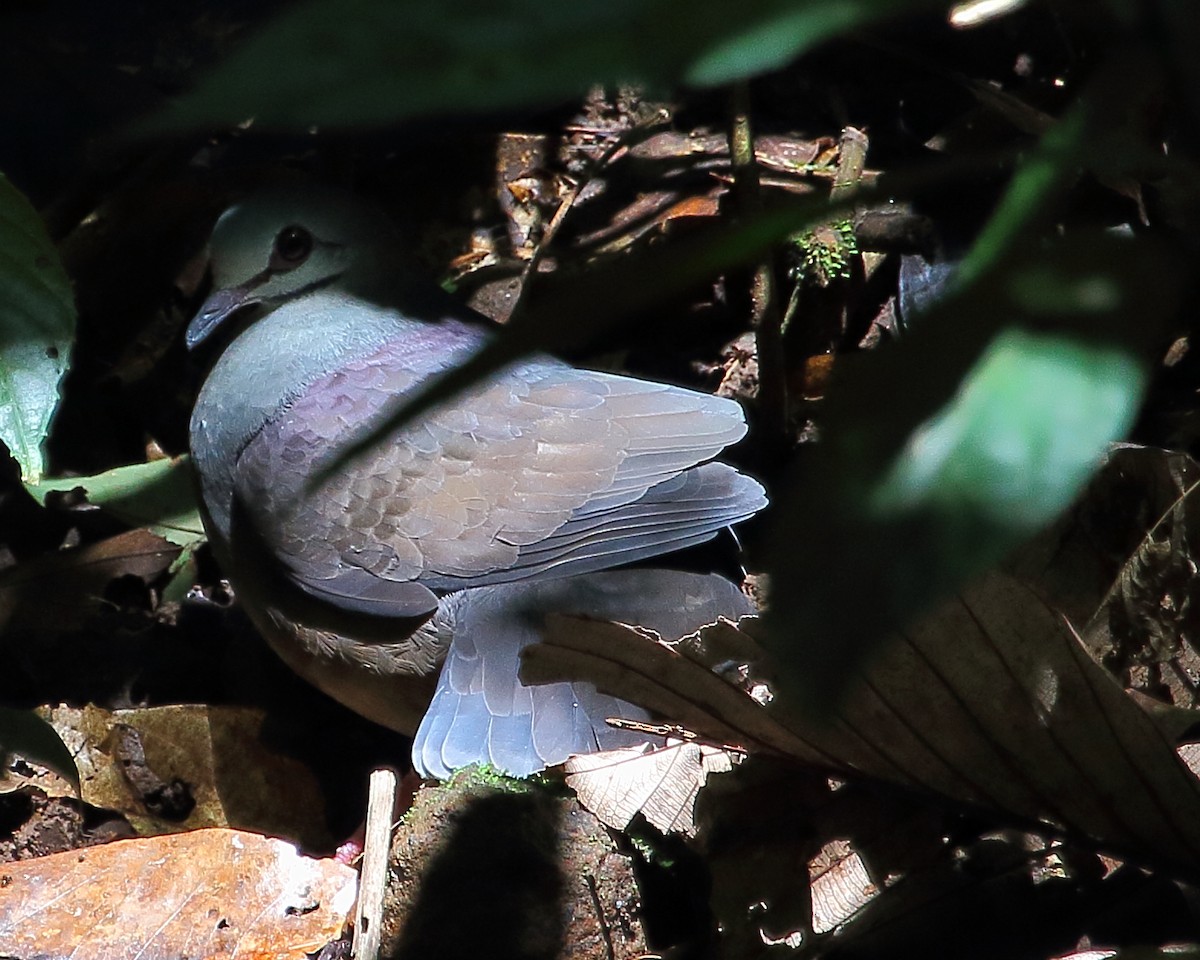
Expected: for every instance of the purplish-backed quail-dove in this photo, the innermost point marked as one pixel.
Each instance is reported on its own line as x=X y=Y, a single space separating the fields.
x=446 y=543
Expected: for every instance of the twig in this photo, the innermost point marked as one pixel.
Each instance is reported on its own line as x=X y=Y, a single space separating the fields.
x=852 y=158
x=765 y=315
x=368 y=916
x=634 y=133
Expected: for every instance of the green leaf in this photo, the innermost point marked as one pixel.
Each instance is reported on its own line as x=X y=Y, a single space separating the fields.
x=1022 y=435
x=27 y=735
x=777 y=40
x=943 y=453
x=37 y=325
x=159 y=495
x=370 y=62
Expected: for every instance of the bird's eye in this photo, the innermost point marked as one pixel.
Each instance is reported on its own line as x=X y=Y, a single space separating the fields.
x=292 y=246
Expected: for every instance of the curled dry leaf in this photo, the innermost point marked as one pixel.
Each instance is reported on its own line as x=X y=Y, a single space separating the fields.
x=839 y=883
x=659 y=782
x=210 y=893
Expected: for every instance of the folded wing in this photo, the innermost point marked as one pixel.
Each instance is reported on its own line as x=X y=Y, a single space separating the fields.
x=541 y=472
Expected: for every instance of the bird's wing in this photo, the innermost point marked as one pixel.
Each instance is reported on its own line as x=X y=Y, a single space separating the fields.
x=680 y=512
x=539 y=471
x=481 y=713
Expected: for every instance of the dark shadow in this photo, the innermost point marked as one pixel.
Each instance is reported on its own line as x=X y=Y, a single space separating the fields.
x=495 y=888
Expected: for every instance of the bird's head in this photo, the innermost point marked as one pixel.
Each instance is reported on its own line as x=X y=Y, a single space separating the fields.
x=282 y=244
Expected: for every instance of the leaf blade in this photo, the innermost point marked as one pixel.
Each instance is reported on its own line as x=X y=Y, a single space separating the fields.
x=37 y=326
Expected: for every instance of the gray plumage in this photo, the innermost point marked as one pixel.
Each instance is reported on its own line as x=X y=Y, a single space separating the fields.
x=478 y=715
x=541 y=473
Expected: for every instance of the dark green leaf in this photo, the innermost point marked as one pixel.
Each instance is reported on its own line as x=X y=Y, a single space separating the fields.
x=370 y=62
x=945 y=452
x=24 y=733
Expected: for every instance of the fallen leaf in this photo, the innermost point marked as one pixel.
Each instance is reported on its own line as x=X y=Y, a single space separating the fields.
x=186 y=767
x=993 y=701
x=663 y=679
x=58 y=592
x=659 y=782
x=210 y=893
x=840 y=885
x=990 y=701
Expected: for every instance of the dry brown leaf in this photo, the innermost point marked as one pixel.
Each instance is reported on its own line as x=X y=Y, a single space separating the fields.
x=659 y=782
x=990 y=701
x=206 y=894
x=187 y=767
x=993 y=701
x=840 y=885
x=57 y=592
x=1189 y=753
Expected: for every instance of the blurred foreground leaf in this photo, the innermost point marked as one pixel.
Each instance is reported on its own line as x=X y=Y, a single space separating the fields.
x=372 y=62
x=37 y=325
x=945 y=452
x=1017 y=441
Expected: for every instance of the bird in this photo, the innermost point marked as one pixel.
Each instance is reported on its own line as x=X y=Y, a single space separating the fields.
x=404 y=581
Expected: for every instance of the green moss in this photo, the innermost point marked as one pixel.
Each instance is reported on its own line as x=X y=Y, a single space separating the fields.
x=823 y=254
x=485 y=775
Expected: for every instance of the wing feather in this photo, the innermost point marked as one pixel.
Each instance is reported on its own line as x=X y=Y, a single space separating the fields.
x=519 y=477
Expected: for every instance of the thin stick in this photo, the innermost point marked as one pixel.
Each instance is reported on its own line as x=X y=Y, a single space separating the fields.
x=766 y=317
x=372 y=884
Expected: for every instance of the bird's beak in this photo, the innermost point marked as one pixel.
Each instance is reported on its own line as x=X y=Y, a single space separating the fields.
x=219 y=306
